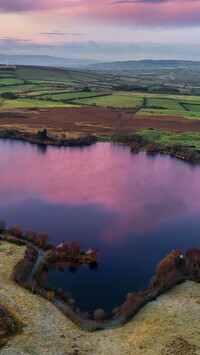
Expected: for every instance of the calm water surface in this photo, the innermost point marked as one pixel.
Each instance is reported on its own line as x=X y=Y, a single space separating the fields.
x=134 y=208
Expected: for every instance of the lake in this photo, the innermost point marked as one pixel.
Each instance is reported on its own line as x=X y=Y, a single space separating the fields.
x=134 y=207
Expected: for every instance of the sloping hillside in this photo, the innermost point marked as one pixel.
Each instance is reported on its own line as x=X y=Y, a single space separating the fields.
x=169 y=325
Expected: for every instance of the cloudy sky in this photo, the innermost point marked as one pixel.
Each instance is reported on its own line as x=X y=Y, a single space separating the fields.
x=121 y=29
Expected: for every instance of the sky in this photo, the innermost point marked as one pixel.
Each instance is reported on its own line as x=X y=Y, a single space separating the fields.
x=101 y=29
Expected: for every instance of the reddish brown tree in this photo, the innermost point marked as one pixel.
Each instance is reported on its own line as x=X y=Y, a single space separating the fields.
x=75 y=247
x=16 y=231
x=42 y=239
x=193 y=261
x=2 y=225
x=169 y=263
x=31 y=235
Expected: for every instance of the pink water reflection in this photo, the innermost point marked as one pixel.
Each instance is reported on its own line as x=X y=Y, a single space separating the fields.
x=143 y=191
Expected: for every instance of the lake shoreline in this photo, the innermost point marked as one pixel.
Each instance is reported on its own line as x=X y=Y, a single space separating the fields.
x=92 y=139
x=33 y=139
x=171 y=271
x=64 y=178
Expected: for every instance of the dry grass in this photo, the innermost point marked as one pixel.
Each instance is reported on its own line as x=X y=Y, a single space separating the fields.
x=167 y=326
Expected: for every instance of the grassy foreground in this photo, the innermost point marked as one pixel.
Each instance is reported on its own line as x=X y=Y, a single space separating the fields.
x=169 y=325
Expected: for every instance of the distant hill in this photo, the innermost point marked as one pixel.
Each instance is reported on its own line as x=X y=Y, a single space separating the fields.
x=44 y=60
x=95 y=65
x=143 y=65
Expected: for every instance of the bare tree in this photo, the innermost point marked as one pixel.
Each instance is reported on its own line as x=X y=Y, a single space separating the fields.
x=16 y=231
x=2 y=225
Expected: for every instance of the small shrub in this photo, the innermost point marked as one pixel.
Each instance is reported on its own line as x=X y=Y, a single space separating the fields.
x=9 y=96
x=42 y=135
x=99 y=315
x=2 y=225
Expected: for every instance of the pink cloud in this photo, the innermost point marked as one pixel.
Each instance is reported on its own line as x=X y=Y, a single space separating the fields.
x=12 y=6
x=136 y=12
x=176 y=12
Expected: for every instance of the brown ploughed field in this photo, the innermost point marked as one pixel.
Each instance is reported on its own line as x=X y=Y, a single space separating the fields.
x=95 y=120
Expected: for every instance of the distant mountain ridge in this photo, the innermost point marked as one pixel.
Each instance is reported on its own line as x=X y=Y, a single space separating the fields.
x=147 y=64
x=44 y=60
x=96 y=65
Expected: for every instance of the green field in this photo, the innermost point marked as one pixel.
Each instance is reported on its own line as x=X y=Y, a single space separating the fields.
x=41 y=74
x=73 y=95
x=53 y=82
x=59 y=85
x=170 y=104
x=47 y=91
x=10 y=81
x=6 y=75
x=17 y=88
x=22 y=88
x=20 y=103
x=56 y=75
x=161 y=112
x=179 y=98
x=192 y=140
x=193 y=107
x=116 y=100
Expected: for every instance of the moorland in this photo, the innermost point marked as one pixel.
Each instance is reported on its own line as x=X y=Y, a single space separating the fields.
x=160 y=106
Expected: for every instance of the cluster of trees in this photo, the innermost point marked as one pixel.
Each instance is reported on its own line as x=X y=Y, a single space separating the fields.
x=136 y=142
x=166 y=90
x=124 y=87
x=23 y=268
x=72 y=253
x=133 y=303
x=86 y=89
x=42 y=138
x=40 y=239
x=170 y=271
x=9 y=96
x=181 y=150
x=21 y=273
x=79 y=142
x=128 y=138
x=174 y=268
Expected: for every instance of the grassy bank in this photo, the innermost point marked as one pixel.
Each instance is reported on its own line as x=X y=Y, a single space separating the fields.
x=185 y=145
